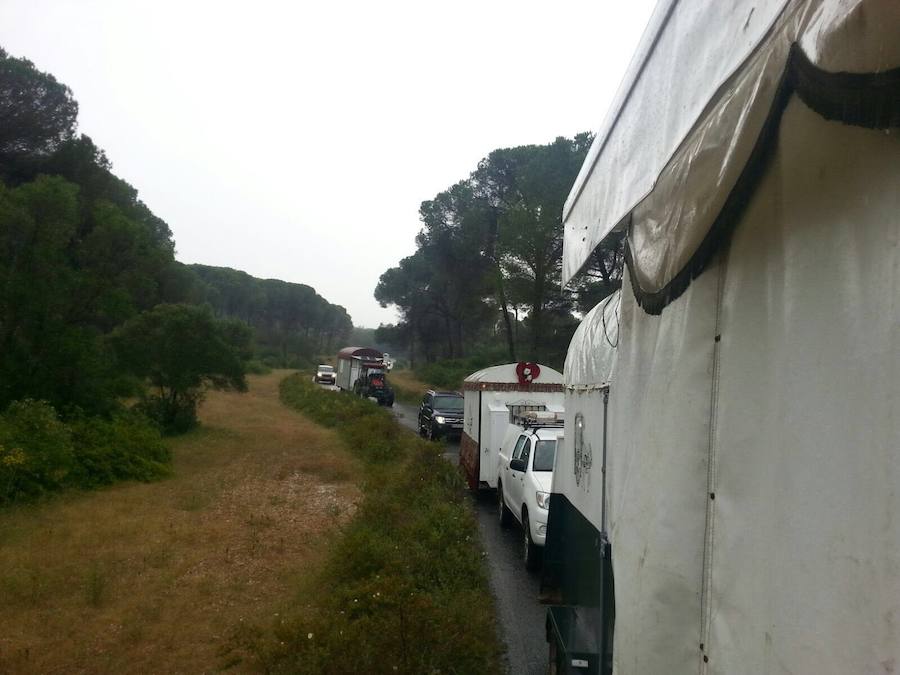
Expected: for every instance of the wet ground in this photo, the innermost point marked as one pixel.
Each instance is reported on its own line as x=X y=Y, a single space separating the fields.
x=516 y=590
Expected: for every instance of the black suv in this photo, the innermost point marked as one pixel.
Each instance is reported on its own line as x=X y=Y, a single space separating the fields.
x=441 y=414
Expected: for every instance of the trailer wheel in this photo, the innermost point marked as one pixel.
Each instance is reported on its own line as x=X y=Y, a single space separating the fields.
x=505 y=513
x=531 y=551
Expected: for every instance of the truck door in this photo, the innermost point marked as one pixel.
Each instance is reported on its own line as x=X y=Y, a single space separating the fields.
x=510 y=477
x=517 y=478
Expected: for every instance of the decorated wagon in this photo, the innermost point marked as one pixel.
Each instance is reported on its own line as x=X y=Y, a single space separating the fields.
x=493 y=398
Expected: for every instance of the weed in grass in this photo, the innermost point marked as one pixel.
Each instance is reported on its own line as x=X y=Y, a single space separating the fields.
x=193 y=501
x=260 y=521
x=95 y=584
x=159 y=556
x=24 y=586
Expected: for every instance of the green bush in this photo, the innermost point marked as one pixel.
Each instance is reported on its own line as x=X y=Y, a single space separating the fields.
x=126 y=447
x=405 y=588
x=39 y=453
x=36 y=452
x=171 y=416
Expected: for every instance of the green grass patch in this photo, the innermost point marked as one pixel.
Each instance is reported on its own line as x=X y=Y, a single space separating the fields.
x=404 y=589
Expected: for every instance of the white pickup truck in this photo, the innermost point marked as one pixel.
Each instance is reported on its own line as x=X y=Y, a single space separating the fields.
x=524 y=478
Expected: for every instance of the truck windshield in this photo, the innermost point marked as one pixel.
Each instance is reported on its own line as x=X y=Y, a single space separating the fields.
x=448 y=402
x=544 y=452
x=325 y=369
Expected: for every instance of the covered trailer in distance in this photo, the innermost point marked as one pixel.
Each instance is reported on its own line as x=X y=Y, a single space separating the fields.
x=353 y=361
x=748 y=518
x=493 y=397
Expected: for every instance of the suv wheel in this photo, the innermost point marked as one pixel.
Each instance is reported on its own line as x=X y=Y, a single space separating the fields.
x=505 y=513
x=530 y=552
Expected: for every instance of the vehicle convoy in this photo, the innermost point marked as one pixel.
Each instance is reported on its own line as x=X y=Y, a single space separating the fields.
x=325 y=374
x=493 y=398
x=361 y=370
x=525 y=476
x=441 y=414
x=730 y=456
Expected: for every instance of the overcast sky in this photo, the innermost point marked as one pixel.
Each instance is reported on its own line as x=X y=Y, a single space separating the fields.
x=296 y=140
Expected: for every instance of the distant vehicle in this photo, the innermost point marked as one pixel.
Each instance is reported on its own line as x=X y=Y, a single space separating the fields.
x=361 y=370
x=372 y=383
x=441 y=414
x=494 y=397
x=325 y=374
x=525 y=478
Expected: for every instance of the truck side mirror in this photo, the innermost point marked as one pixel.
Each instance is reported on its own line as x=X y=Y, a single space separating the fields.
x=517 y=465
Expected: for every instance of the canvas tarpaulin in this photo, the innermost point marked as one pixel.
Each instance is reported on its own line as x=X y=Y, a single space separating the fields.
x=754 y=430
x=691 y=118
x=754 y=412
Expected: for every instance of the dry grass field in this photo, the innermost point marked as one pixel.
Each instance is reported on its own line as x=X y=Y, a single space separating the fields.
x=160 y=577
x=407 y=387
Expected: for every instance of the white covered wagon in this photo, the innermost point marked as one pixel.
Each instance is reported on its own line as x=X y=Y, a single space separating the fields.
x=745 y=387
x=493 y=397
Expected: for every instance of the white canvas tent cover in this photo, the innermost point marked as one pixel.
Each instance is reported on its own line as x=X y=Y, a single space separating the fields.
x=753 y=157
x=591 y=358
x=706 y=85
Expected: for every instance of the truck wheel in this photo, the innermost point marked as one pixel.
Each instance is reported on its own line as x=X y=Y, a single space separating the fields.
x=505 y=513
x=531 y=551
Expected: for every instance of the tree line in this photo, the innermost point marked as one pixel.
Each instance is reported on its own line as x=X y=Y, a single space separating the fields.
x=487 y=269
x=291 y=322
x=94 y=308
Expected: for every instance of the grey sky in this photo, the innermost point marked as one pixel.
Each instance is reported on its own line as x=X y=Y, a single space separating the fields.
x=296 y=140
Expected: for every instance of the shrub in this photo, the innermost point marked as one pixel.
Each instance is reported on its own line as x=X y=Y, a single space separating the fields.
x=171 y=415
x=36 y=453
x=126 y=447
x=39 y=453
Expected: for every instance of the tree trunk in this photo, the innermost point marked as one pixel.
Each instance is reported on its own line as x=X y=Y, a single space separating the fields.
x=537 y=313
x=449 y=328
x=510 y=342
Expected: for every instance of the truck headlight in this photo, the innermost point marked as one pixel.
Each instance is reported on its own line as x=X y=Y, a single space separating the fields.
x=439 y=419
x=543 y=499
